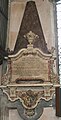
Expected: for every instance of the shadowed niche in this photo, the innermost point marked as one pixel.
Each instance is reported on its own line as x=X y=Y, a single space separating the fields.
x=30 y=22
x=19 y=81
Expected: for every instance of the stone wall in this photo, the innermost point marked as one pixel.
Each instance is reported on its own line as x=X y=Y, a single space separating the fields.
x=46 y=15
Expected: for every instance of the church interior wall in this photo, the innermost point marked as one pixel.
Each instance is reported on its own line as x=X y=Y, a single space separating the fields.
x=46 y=15
x=8 y=110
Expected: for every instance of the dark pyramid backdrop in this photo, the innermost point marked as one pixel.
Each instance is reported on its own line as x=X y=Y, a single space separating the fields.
x=30 y=22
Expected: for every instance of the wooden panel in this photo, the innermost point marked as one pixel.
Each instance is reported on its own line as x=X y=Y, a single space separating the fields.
x=58 y=101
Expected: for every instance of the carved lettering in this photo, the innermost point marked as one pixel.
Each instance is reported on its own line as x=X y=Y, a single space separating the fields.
x=30 y=66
